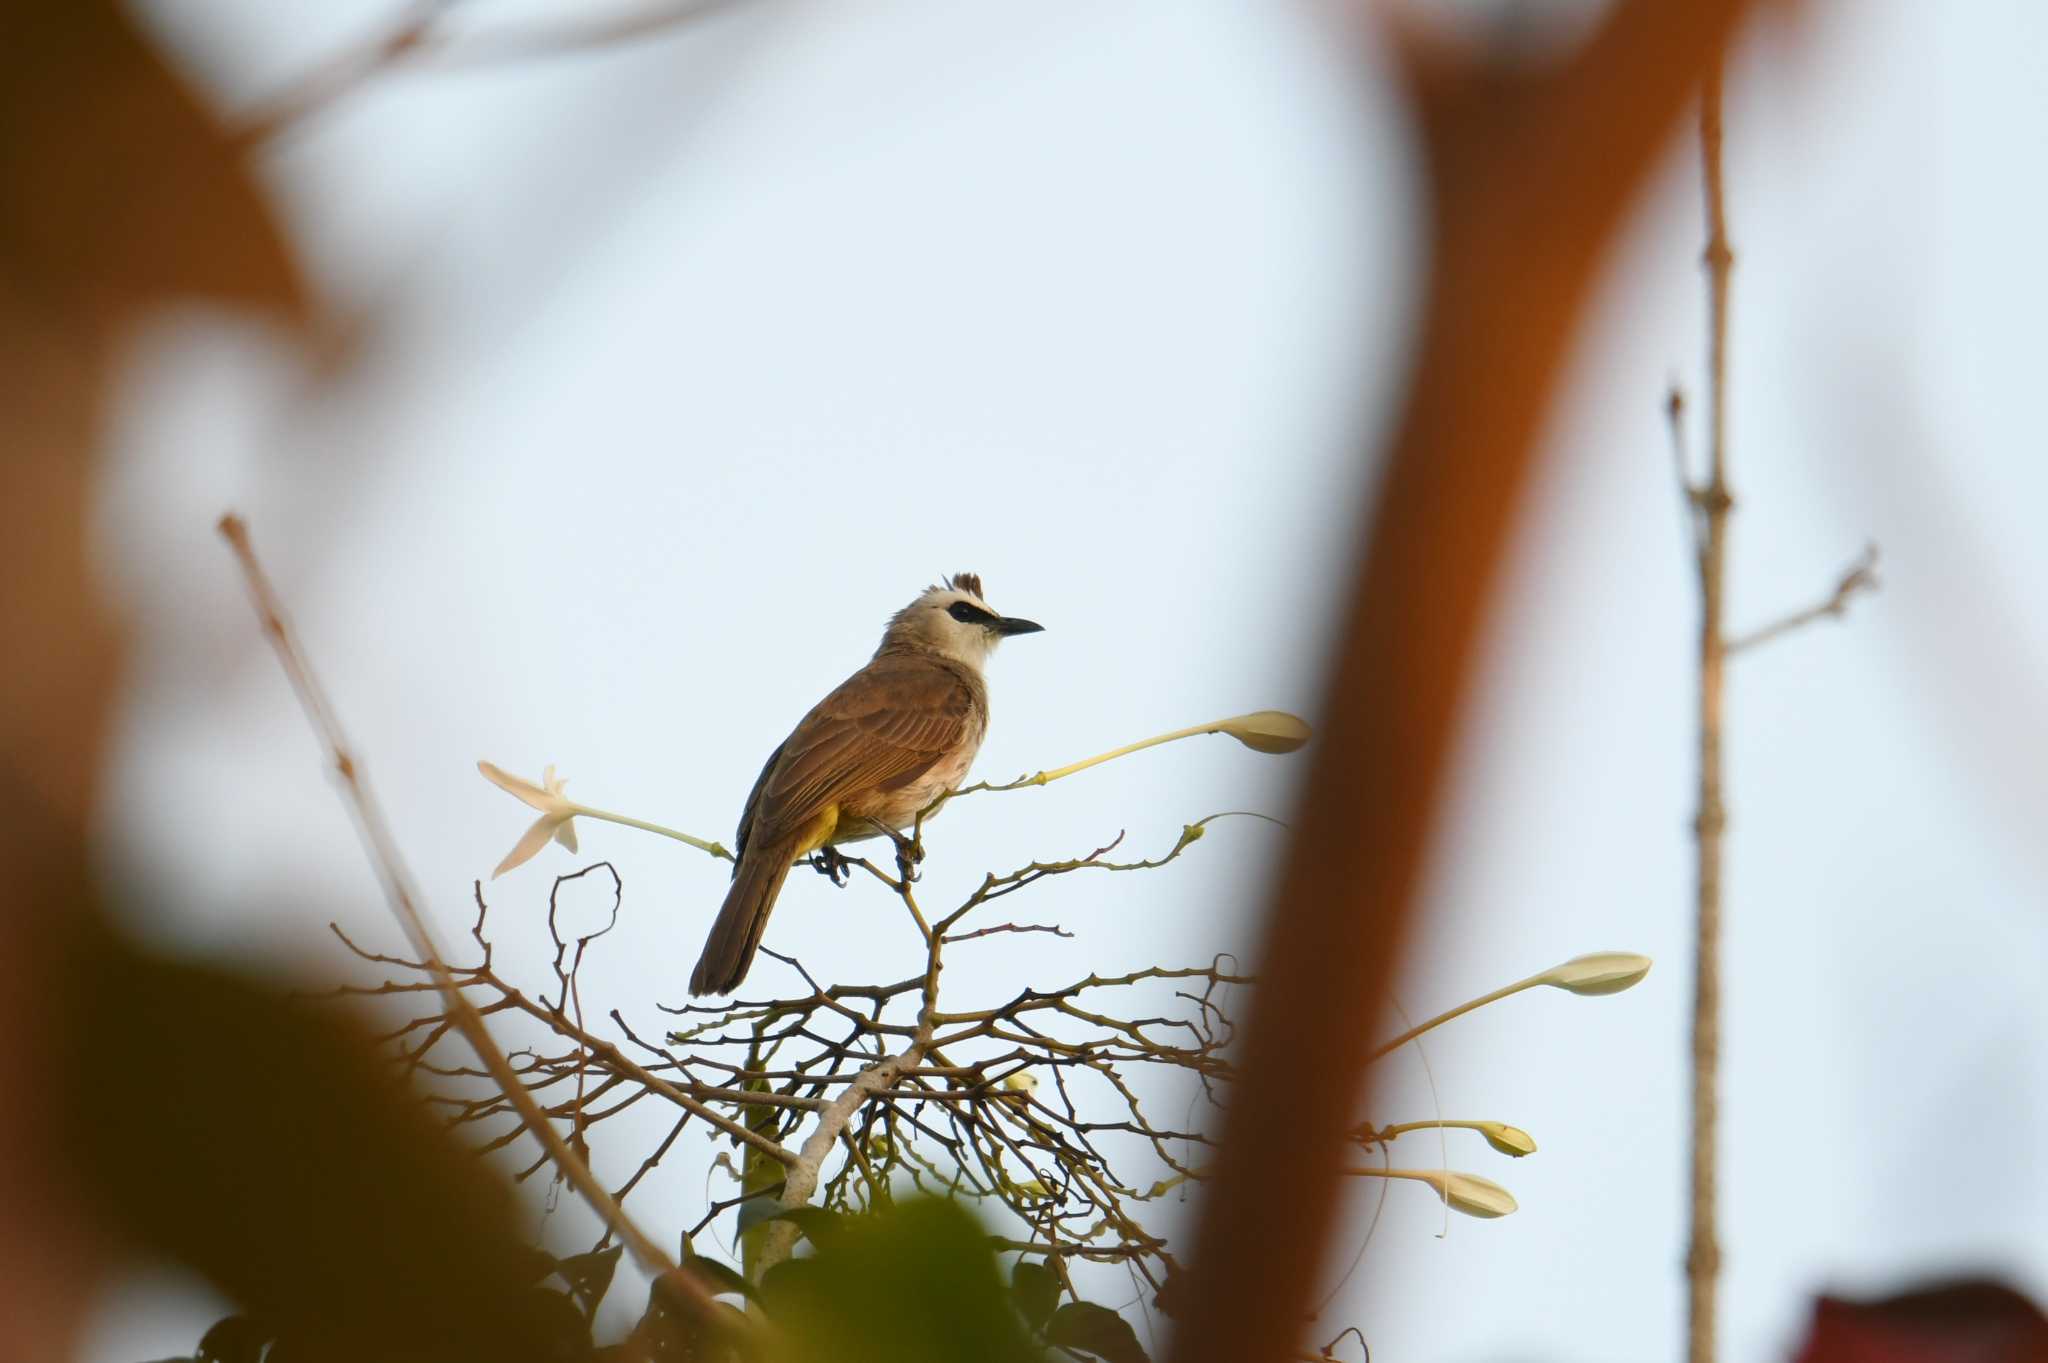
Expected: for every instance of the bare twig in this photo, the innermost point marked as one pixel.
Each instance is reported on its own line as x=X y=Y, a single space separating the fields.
x=382 y=847
x=580 y=34
x=1712 y=497
x=1329 y=1351
x=1860 y=576
x=832 y=1074
x=1053 y=928
x=1681 y=463
x=344 y=73
x=413 y=40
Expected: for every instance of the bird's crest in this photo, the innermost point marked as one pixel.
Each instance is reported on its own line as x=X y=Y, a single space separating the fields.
x=965 y=582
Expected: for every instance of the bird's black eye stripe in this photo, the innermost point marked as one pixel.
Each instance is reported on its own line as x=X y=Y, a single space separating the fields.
x=969 y=614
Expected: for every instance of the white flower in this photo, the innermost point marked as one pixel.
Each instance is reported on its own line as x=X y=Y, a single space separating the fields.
x=556 y=813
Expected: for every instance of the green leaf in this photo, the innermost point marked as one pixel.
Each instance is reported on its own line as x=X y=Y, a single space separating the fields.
x=918 y=1284
x=821 y=1227
x=666 y=1332
x=785 y=1287
x=1036 y=1290
x=1096 y=1330
x=590 y=1275
x=550 y=1324
x=531 y=1265
x=1171 y=1300
x=327 y=1200
x=717 y=1277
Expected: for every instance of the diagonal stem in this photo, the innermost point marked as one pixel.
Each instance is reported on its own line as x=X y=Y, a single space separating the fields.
x=716 y=849
x=686 y=1292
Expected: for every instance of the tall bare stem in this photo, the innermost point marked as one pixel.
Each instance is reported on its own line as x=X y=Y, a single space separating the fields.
x=1714 y=504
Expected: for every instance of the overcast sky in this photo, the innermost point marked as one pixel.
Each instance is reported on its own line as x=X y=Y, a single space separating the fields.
x=684 y=364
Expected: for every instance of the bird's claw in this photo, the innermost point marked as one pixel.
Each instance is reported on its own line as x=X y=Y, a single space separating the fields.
x=831 y=865
x=909 y=854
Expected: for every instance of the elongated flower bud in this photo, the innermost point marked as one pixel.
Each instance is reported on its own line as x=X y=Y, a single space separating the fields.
x=1470 y=1194
x=1267 y=730
x=1509 y=1140
x=1467 y=1193
x=1598 y=972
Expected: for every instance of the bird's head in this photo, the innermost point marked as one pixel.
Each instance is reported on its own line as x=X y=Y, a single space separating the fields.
x=952 y=619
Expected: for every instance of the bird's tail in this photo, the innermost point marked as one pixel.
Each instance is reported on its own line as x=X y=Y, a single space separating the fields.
x=734 y=938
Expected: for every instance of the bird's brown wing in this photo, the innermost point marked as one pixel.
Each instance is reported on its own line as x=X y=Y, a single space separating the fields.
x=746 y=829
x=883 y=727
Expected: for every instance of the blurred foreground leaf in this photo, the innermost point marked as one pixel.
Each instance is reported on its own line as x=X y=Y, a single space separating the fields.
x=822 y=1227
x=261 y=1142
x=1096 y=1330
x=590 y=1275
x=117 y=188
x=916 y=1284
x=716 y=1277
x=1037 y=1291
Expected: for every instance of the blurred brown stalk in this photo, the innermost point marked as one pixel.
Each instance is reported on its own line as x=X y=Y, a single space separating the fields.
x=1530 y=171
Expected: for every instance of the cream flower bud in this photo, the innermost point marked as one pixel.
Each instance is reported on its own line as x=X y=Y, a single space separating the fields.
x=1267 y=730
x=1469 y=1193
x=1509 y=1140
x=1598 y=972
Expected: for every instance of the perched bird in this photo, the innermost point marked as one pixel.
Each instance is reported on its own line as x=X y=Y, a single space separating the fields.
x=888 y=741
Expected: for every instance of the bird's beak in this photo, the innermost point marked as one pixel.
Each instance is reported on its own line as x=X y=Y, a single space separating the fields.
x=1010 y=624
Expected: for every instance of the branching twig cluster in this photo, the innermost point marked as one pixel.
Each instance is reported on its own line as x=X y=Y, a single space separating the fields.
x=861 y=1092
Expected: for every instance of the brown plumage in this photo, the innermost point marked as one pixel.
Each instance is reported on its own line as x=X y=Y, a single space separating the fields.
x=881 y=747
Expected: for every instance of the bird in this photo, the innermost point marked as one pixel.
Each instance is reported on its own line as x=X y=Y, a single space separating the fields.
x=886 y=742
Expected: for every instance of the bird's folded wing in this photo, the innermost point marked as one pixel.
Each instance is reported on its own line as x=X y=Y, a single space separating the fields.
x=883 y=728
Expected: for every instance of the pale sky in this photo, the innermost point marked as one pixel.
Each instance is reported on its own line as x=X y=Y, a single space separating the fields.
x=689 y=362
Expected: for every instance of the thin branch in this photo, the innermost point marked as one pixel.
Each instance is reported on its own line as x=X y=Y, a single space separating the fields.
x=414 y=40
x=383 y=850
x=343 y=74
x=1703 y=1252
x=1860 y=576
x=1329 y=1351
x=582 y=34
x=1053 y=928
x=1681 y=465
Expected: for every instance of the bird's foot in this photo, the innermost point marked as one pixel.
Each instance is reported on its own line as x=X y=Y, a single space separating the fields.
x=831 y=865
x=909 y=853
